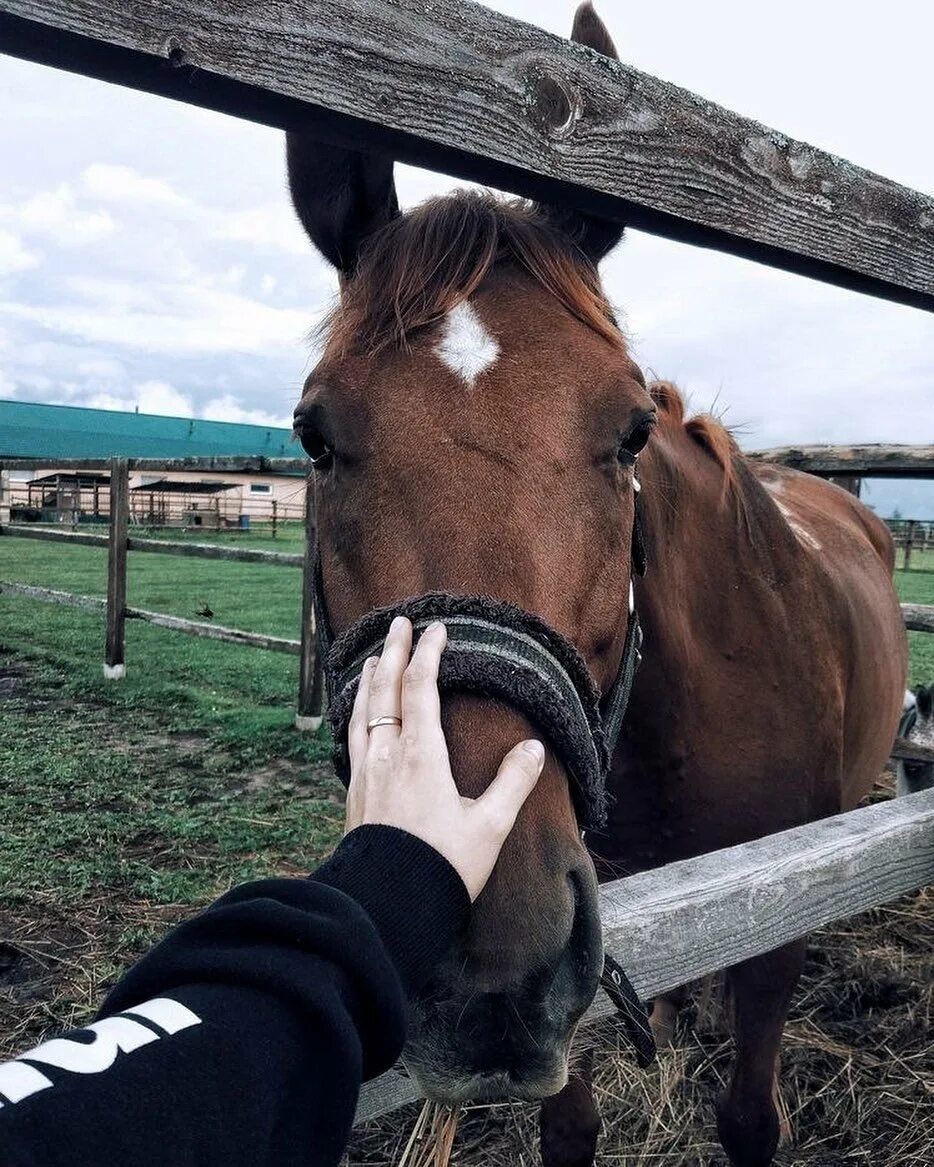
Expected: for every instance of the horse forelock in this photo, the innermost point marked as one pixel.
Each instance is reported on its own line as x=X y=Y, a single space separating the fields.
x=419 y=267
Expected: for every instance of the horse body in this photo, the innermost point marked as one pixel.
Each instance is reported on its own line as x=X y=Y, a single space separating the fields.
x=774 y=655
x=475 y=422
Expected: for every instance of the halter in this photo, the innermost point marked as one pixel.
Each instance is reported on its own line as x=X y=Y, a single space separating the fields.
x=495 y=649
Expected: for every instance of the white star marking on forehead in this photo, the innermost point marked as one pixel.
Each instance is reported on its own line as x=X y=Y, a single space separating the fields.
x=465 y=346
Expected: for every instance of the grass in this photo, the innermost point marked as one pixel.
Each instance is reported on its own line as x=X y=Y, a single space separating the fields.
x=127 y=804
x=917 y=587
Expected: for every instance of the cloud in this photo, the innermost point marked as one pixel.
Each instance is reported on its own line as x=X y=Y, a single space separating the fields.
x=55 y=214
x=175 y=319
x=148 y=397
x=13 y=256
x=271 y=226
x=124 y=184
x=229 y=408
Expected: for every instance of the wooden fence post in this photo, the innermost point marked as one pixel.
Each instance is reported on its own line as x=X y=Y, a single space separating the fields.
x=115 y=651
x=310 y=665
x=6 y=496
x=909 y=539
x=275 y=515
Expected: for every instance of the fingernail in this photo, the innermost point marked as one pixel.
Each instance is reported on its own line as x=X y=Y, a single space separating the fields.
x=536 y=750
x=398 y=623
x=434 y=626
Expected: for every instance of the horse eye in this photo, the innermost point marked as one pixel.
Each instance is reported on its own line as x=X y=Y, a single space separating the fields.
x=634 y=443
x=315 y=447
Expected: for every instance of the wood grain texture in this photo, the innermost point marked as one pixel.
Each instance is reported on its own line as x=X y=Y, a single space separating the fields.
x=677 y=923
x=919 y=617
x=115 y=648
x=874 y=461
x=156 y=546
x=457 y=87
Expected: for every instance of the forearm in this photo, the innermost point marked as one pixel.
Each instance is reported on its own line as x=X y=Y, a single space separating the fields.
x=285 y=995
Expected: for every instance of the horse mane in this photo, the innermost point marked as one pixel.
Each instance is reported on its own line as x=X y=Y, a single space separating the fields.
x=422 y=264
x=711 y=435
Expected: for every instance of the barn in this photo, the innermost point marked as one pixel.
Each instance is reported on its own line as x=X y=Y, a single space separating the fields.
x=160 y=498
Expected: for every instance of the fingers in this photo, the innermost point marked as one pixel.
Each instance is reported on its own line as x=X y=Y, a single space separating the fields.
x=356 y=728
x=385 y=696
x=421 y=704
x=514 y=782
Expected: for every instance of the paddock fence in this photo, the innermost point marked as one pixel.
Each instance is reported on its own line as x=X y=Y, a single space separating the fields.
x=847 y=466
x=119 y=542
x=459 y=88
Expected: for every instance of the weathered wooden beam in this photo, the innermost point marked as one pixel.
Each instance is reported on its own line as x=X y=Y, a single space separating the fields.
x=919 y=617
x=52 y=596
x=909 y=751
x=161 y=619
x=157 y=546
x=678 y=923
x=217 y=465
x=115 y=645
x=876 y=461
x=215 y=631
x=456 y=87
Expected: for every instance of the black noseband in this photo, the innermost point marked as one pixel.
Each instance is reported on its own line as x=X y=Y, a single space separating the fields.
x=499 y=651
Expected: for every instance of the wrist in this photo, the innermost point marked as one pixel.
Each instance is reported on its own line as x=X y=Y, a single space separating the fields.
x=413 y=895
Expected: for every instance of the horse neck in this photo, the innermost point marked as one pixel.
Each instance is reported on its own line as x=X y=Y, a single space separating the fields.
x=700 y=530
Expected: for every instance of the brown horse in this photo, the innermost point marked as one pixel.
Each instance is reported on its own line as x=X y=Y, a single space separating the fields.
x=475 y=422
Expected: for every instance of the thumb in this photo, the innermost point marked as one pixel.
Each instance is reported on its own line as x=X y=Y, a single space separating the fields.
x=514 y=782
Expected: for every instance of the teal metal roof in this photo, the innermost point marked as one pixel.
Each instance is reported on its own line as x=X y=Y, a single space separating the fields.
x=29 y=430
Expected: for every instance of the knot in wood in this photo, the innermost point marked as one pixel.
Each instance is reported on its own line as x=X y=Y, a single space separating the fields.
x=555 y=106
x=175 y=53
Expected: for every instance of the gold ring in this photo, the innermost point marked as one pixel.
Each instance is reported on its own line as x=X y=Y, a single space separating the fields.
x=386 y=719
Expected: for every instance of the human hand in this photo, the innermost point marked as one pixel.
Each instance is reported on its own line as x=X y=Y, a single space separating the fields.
x=400 y=774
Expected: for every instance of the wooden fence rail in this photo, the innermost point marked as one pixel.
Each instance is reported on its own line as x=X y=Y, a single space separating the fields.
x=456 y=87
x=159 y=546
x=678 y=923
x=872 y=461
x=162 y=619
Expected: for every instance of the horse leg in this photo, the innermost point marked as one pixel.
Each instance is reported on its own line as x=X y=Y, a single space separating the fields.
x=747 y=1117
x=569 y=1121
x=664 y=1016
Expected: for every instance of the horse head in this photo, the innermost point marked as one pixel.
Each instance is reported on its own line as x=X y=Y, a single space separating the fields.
x=474 y=422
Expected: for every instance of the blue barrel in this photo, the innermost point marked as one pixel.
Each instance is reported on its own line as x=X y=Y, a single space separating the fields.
x=244 y=522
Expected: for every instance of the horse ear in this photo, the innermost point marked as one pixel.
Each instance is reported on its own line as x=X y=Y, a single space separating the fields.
x=341 y=196
x=589 y=30
x=595 y=236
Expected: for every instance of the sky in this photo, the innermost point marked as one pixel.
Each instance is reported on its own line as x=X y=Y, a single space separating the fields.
x=149 y=256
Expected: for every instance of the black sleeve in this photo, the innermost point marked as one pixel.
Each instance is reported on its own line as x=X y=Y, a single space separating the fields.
x=244 y=1036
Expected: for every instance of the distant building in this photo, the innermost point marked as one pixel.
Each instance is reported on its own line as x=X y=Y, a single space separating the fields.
x=171 y=498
